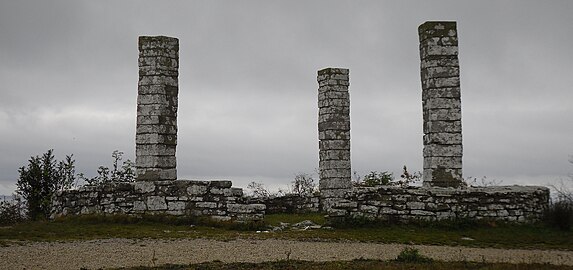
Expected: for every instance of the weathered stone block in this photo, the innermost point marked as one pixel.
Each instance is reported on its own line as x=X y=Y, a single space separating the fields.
x=442 y=103
x=334 y=125
x=156 y=203
x=155 y=162
x=221 y=184
x=434 y=29
x=443 y=138
x=156 y=149
x=144 y=187
x=176 y=206
x=157 y=109
x=334 y=135
x=442 y=127
x=334 y=155
x=441 y=82
x=335 y=173
x=334 y=164
x=245 y=208
x=442 y=114
x=158 y=90
x=335 y=183
x=156 y=139
x=157 y=99
x=434 y=150
x=154 y=174
x=442 y=162
x=332 y=117
x=443 y=92
x=197 y=190
x=437 y=50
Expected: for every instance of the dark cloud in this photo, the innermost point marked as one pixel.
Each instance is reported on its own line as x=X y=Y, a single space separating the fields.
x=248 y=83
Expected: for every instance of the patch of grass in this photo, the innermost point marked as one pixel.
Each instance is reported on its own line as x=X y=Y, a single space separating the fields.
x=275 y=219
x=97 y=227
x=355 y=264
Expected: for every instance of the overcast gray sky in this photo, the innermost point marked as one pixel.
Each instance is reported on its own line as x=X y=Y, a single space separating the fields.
x=248 y=91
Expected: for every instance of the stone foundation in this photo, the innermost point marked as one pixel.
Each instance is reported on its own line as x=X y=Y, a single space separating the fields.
x=212 y=199
x=388 y=203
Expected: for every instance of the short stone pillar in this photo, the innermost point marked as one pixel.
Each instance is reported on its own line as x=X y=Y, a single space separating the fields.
x=441 y=104
x=334 y=134
x=156 y=133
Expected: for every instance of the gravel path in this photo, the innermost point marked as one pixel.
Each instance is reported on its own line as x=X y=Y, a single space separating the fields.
x=124 y=252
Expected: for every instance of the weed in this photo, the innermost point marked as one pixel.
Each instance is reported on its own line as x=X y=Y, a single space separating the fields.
x=412 y=255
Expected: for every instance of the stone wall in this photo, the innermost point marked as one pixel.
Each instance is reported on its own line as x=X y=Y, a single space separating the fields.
x=290 y=204
x=508 y=203
x=213 y=199
x=333 y=133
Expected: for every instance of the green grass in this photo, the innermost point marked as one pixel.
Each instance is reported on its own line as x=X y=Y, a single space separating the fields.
x=356 y=264
x=484 y=235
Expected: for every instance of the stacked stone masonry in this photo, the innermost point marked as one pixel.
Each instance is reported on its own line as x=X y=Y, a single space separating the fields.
x=156 y=132
x=213 y=199
x=290 y=203
x=334 y=132
x=441 y=104
x=388 y=203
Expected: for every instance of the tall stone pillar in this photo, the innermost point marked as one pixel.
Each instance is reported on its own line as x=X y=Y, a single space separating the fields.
x=334 y=134
x=441 y=104
x=156 y=134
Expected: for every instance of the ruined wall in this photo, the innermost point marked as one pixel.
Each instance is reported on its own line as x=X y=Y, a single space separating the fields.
x=508 y=203
x=213 y=199
x=156 y=132
x=333 y=133
x=441 y=104
x=290 y=203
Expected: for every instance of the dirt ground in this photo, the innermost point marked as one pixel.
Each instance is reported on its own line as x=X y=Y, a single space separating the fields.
x=110 y=253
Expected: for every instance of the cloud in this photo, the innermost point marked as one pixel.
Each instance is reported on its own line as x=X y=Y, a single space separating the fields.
x=248 y=83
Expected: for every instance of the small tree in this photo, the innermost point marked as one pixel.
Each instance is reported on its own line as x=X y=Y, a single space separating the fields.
x=303 y=184
x=41 y=179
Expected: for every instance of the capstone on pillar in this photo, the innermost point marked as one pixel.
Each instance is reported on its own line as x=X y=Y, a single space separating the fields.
x=334 y=134
x=441 y=104
x=156 y=132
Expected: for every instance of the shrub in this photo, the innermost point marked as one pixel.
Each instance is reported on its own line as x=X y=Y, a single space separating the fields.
x=375 y=178
x=559 y=215
x=12 y=212
x=41 y=179
x=412 y=255
x=123 y=174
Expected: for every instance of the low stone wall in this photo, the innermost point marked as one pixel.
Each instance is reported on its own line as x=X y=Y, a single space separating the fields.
x=508 y=203
x=214 y=199
x=291 y=204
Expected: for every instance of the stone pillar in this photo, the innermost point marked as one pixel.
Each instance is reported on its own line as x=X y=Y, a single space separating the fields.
x=441 y=104
x=156 y=134
x=334 y=134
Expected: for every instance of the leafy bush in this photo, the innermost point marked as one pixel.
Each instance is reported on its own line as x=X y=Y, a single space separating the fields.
x=12 y=212
x=412 y=255
x=375 y=178
x=123 y=174
x=41 y=179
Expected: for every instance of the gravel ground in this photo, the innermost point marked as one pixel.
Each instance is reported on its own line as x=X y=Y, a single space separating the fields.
x=110 y=253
